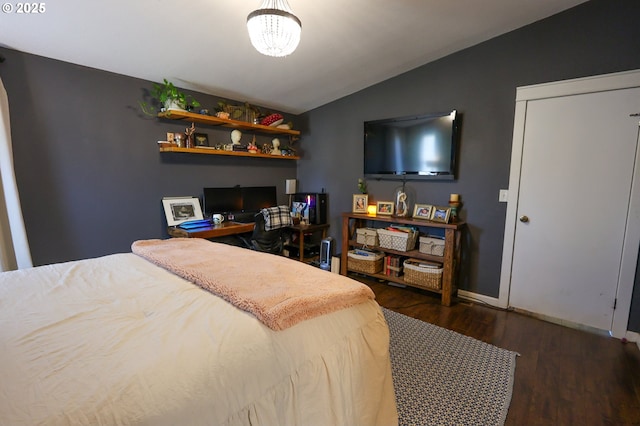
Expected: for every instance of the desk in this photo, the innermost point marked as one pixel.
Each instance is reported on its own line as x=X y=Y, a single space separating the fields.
x=213 y=231
x=307 y=229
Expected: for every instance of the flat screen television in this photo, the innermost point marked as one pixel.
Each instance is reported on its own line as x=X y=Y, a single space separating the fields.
x=412 y=148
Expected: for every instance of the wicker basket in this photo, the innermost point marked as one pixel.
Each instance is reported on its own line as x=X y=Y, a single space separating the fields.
x=433 y=246
x=371 y=264
x=426 y=277
x=367 y=236
x=397 y=240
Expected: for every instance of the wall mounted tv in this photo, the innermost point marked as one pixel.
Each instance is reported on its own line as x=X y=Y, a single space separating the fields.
x=412 y=148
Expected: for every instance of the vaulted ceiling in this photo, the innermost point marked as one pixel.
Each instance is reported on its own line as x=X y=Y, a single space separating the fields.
x=203 y=45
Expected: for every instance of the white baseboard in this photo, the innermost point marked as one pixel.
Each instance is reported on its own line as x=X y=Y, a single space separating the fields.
x=631 y=336
x=475 y=297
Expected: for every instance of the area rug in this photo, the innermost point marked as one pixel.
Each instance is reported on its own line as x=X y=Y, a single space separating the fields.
x=445 y=378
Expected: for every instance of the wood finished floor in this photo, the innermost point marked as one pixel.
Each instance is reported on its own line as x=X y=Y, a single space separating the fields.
x=563 y=376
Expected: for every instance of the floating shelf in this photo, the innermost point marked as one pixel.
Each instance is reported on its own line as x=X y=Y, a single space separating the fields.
x=227 y=153
x=234 y=124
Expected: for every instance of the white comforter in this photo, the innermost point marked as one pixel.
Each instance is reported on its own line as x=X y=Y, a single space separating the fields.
x=117 y=341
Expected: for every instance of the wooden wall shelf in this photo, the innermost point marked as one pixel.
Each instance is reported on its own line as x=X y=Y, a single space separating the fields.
x=215 y=121
x=209 y=151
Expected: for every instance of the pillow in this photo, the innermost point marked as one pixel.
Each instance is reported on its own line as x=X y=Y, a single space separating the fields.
x=276 y=217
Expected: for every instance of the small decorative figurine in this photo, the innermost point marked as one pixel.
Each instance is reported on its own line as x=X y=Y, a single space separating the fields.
x=235 y=137
x=276 y=147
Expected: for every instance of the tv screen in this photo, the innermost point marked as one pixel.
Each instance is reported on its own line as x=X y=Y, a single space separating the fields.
x=415 y=147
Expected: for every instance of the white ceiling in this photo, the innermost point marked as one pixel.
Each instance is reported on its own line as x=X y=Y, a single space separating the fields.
x=346 y=45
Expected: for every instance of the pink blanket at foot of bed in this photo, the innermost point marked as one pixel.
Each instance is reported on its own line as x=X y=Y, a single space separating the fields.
x=279 y=291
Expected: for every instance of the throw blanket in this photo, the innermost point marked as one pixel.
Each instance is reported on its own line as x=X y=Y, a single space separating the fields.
x=280 y=292
x=276 y=217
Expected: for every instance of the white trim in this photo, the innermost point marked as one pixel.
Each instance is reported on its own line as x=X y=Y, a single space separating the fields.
x=475 y=297
x=598 y=83
x=632 y=336
x=615 y=81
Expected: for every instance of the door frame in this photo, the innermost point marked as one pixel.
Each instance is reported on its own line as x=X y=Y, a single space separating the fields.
x=621 y=80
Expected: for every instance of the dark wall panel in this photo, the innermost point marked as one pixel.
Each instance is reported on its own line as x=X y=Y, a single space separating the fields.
x=480 y=82
x=89 y=172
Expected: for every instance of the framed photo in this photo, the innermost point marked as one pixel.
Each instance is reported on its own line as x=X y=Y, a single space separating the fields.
x=422 y=211
x=360 y=203
x=181 y=209
x=201 y=139
x=384 y=208
x=441 y=214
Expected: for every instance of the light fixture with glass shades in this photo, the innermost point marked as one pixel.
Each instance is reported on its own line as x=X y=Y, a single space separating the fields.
x=273 y=28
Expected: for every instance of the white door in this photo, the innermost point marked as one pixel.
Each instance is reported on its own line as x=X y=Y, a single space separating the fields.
x=573 y=203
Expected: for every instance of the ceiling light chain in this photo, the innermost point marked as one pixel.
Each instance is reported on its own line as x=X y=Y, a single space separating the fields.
x=273 y=28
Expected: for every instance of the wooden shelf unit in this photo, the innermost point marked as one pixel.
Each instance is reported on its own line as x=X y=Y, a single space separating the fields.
x=234 y=124
x=211 y=120
x=210 y=151
x=450 y=260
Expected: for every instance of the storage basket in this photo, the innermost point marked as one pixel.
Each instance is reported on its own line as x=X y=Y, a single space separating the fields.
x=433 y=246
x=368 y=264
x=423 y=274
x=397 y=240
x=367 y=236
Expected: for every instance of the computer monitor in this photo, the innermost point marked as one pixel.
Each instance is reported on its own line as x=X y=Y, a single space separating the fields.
x=221 y=200
x=255 y=198
x=238 y=199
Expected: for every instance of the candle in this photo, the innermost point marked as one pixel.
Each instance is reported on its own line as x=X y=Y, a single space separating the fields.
x=371 y=209
x=454 y=197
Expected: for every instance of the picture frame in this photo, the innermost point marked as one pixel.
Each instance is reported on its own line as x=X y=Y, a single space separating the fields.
x=200 y=139
x=181 y=209
x=422 y=211
x=360 y=203
x=384 y=208
x=440 y=214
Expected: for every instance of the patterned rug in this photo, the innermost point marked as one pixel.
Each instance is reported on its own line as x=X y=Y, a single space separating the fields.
x=445 y=378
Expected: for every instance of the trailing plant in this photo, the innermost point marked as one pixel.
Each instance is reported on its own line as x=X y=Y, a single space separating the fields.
x=165 y=93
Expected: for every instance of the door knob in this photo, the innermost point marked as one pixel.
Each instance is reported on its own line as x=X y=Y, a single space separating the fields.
x=524 y=219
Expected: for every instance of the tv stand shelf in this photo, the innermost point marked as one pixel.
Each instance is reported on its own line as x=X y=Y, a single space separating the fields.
x=450 y=260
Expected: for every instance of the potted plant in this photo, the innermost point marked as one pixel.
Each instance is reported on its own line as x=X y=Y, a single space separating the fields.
x=170 y=98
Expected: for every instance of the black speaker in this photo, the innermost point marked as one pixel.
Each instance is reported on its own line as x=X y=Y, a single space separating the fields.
x=316 y=206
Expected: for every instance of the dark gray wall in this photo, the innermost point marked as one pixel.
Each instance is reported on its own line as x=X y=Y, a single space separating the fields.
x=89 y=172
x=597 y=37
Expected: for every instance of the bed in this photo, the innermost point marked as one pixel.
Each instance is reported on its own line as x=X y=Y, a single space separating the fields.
x=126 y=339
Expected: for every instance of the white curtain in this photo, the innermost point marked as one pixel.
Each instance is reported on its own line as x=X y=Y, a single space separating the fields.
x=14 y=247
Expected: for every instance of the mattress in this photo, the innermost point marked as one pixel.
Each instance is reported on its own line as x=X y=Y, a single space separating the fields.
x=117 y=340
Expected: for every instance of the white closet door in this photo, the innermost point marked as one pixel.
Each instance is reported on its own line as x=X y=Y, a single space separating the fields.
x=578 y=159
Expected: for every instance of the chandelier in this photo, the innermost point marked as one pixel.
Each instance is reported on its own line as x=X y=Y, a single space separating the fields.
x=273 y=28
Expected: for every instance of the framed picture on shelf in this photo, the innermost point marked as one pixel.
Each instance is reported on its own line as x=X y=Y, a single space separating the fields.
x=360 y=202
x=441 y=214
x=385 y=208
x=201 y=139
x=422 y=211
x=181 y=209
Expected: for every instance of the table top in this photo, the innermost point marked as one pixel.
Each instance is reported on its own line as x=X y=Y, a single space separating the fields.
x=212 y=231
